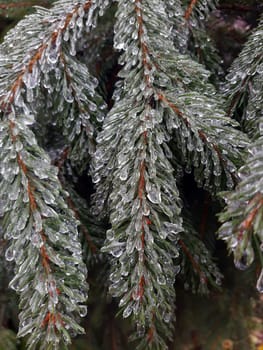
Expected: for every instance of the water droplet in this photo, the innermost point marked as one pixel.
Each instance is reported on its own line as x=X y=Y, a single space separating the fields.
x=154 y=195
x=161 y=280
x=53 y=54
x=83 y=310
x=116 y=252
x=124 y=173
x=127 y=311
x=9 y=254
x=246 y=259
x=167 y=318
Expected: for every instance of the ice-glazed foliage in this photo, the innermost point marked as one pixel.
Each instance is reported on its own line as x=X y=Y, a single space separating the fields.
x=163 y=98
x=199 y=44
x=40 y=71
x=242 y=220
x=244 y=83
x=44 y=239
x=165 y=119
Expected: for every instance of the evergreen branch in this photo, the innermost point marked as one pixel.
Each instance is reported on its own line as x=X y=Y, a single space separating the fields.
x=48 y=230
x=201 y=134
x=200 y=9
x=57 y=32
x=38 y=57
x=194 y=263
x=199 y=44
x=242 y=218
x=131 y=171
x=34 y=239
x=151 y=212
x=166 y=119
x=242 y=85
x=83 y=117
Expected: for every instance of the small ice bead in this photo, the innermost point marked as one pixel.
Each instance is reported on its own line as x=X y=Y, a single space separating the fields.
x=154 y=195
x=246 y=259
x=127 y=311
x=83 y=310
x=9 y=254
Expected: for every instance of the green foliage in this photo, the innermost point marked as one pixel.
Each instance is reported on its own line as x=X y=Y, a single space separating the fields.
x=242 y=220
x=133 y=104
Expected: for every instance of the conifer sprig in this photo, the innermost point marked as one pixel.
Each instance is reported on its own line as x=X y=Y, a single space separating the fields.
x=243 y=88
x=156 y=101
x=200 y=44
x=242 y=219
x=45 y=245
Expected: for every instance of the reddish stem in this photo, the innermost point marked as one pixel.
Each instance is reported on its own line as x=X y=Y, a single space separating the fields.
x=189 y=9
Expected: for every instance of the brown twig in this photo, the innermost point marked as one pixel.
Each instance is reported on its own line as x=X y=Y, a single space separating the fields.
x=193 y=261
x=51 y=318
x=189 y=9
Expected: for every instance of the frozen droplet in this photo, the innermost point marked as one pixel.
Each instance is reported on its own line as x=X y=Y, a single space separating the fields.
x=170 y=228
x=154 y=195
x=110 y=235
x=15 y=283
x=116 y=252
x=260 y=282
x=96 y=178
x=145 y=209
x=124 y=173
x=68 y=96
x=163 y=234
x=10 y=254
x=48 y=197
x=167 y=317
x=83 y=310
x=161 y=280
x=246 y=259
x=127 y=311
x=119 y=46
